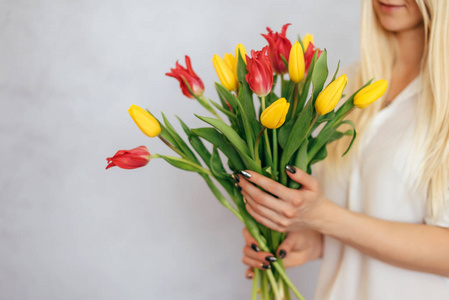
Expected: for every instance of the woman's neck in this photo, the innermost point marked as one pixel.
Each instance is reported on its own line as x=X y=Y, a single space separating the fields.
x=411 y=49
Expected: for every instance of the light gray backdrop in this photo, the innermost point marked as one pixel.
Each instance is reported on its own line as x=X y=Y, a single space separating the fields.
x=69 y=70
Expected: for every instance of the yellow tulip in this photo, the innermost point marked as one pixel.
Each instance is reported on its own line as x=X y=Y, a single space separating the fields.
x=225 y=72
x=308 y=38
x=296 y=64
x=329 y=97
x=274 y=115
x=145 y=121
x=371 y=93
x=236 y=59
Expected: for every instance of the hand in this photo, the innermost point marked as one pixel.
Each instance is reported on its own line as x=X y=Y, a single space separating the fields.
x=281 y=208
x=297 y=248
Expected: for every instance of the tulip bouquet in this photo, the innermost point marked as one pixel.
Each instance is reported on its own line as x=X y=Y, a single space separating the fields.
x=264 y=132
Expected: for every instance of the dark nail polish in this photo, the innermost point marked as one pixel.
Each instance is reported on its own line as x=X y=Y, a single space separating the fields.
x=238 y=186
x=282 y=254
x=271 y=258
x=249 y=276
x=246 y=174
x=236 y=178
x=290 y=169
x=266 y=267
x=255 y=248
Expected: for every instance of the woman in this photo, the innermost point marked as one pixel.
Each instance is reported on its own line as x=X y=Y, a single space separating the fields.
x=379 y=217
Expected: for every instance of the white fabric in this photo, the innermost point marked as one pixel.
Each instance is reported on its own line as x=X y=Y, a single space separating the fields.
x=374 y=183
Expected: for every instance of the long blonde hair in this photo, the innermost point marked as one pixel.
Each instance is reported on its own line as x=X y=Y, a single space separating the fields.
x=378 y=52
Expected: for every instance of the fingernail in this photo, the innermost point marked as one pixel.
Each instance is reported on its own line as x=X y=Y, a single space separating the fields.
x=254 y=247
x=238 y=186
x=290 y=169
x=271 y=258
x=266 y=266
x=249 y=276
x=236 y=178
x=282 y=254
x=246 y=174
x=244 y=200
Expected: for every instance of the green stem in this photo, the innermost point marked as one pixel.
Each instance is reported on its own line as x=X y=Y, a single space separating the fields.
x=208 y=107
x=280 y=269
x=256 y=146
x=171 y=146
x=275 y=154
x=282 y=85
x=295 y=101
x=274 y=286
x=264 y=286
x=255 y=284
x=267 y=141
x=222 y=198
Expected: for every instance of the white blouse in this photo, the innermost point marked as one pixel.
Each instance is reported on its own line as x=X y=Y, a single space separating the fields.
x=374 y=183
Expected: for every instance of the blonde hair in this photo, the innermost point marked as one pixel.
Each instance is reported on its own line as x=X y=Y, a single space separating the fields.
x=378 y=52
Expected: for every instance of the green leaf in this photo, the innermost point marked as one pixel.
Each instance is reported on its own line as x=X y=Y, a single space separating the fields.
x=227 y=95
x=217 y=139
x=184 y=164
x=224 y=110
x=179 y=141
x=354 y=134
x=336 y=71
x=320 y=73
x=321 y=155
x=216 y=166
x=284 y=132
x=230 y=134
x=300 y=162
x=164 y=132
x=297 y=135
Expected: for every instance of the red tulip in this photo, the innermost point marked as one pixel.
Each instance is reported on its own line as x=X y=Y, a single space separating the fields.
x=130 y=159
x=308 y=55
x=188 y=75
x=260 y=74
x=278 y=44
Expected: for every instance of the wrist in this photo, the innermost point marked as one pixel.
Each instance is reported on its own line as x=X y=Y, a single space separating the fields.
x=328 y=216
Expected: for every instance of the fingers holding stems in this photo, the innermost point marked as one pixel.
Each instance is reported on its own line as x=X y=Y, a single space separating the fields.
x=277 y=206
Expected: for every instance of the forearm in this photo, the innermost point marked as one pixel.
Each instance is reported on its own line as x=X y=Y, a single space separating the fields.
x=417 y=247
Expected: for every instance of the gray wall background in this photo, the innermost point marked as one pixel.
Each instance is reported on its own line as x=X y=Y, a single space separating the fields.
x=69 y=70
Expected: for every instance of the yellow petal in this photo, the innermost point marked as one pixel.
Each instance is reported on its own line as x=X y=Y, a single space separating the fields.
x=370 y=93
x=296 y=64
x=225 y=73
x=274 y=115
x=328 y=99
x=308 y=38
x=145 y=121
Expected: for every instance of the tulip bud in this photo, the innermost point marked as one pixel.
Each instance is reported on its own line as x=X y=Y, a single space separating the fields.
x=225 y=72
x=296 y=64
x=274 y=115
x=370 y=93
x=328 y=99
x=145 y=121
x=130 y=159
x=278 y=45
x=187 y=76
x=308 y=38
x=260 y=73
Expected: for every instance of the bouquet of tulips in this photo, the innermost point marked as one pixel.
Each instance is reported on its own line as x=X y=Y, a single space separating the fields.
x=264 y=132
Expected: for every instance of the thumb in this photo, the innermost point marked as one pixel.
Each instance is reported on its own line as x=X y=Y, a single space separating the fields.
x=301 y=177
x=286 y=246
